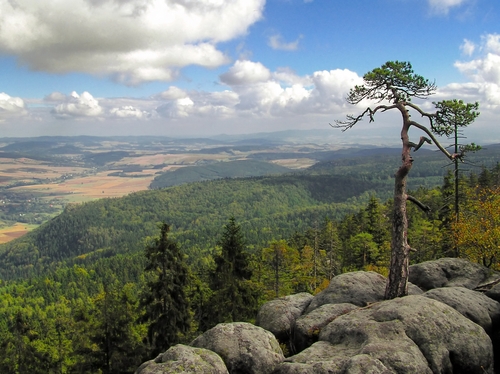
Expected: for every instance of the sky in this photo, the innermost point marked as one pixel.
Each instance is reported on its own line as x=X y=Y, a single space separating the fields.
x=207 y=67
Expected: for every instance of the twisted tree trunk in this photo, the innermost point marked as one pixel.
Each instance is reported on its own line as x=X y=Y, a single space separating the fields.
x=400 y=250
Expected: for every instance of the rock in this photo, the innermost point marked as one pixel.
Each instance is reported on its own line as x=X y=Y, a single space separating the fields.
x=358 y=288
x=244 y=348
x=494 y=292
x=474 y=305
x=279 y=315
x=308 y=326
x=412 y=334
x=184 y=359
x=448 y=272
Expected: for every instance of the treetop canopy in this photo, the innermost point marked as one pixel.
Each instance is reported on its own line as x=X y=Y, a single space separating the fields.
x=394 y=81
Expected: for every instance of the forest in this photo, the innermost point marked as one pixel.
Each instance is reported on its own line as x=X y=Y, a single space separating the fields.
x=86 y=291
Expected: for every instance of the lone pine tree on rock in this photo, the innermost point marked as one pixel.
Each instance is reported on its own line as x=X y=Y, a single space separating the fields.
x=393 y=86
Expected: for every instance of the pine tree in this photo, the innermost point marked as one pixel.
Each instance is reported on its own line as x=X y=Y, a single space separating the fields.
x=233 y=298
x=165 y=301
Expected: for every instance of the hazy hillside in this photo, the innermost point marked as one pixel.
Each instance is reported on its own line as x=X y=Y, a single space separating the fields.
x=267 y=208
x=233 y=169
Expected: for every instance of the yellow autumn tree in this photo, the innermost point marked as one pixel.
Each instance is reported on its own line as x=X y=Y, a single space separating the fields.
x=477 y=230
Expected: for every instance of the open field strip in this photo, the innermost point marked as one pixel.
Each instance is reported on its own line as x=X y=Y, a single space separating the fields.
x=91 y=187
x=15 y=231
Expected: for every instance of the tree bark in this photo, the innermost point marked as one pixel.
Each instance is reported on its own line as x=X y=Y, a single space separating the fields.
x=397 y=284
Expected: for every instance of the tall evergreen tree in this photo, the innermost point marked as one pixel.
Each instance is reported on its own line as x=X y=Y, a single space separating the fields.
x=233 y=298
x=165 y=301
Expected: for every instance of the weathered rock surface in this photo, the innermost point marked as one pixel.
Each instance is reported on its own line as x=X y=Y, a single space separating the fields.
x=474 y=305
x=184 y=359
x=308 y=326
x=244 y=348
x=494 y=292
x=442 y=331
x=413 y=334
x=448 y=272
x=359 y=288
x=279 y=315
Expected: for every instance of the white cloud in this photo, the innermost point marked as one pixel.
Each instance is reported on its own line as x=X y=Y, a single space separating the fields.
x=173 y=93
x=276 y=42
x=467 y=47
x=179 y=108
x=75 y=105
x=484 y=71
x=443 y=6
x=262 y=93
x=245 y=72
x=133 y=41
x=11 y=106
x=128 y=112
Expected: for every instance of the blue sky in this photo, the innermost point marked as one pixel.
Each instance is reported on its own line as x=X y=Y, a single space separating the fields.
x=206 y=67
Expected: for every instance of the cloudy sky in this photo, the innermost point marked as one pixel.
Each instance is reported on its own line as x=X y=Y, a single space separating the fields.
x=207 y=67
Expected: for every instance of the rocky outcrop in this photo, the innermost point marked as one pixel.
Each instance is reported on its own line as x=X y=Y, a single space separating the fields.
x=244 y=348
x=308 y=326
x=448 y=272
x=471 y=304
x=184 y=359
x=279 y=315
x=358 y=287
x=349 y=329
x=413 y=334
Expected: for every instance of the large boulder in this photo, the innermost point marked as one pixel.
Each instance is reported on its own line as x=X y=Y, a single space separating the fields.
x=359 y=288
x=412 y=334
x=448 y=272
x=184 y=359
x=279 y=315
x=474 y=305
x=308 y=326
x=244 y=348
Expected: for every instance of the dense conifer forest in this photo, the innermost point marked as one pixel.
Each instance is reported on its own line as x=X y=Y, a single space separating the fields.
x=77 y=294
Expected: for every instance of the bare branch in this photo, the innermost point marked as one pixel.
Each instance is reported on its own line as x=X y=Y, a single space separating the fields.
x=423 y=140
x=352 y=120
x=418 y=203
x=431 y=135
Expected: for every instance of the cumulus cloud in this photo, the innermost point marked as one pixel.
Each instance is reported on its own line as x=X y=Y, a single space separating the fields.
x=443 y=7
x=277 y=42
x=173 y=93
x=467 y=47
x=262 y=93
x=11 y=106
x=133 y=41
x=245 y=72
x=484 y=71
x=128 y=112
x=76 y=105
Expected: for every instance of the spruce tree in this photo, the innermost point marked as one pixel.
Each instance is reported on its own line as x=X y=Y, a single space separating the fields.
x=165 y=301
x=233 y=298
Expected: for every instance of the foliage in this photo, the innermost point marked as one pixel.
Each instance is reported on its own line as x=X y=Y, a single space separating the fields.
x=164 y=298
x=477 y=231
x=234 y=297
x=232 y=169
x=393 y=86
